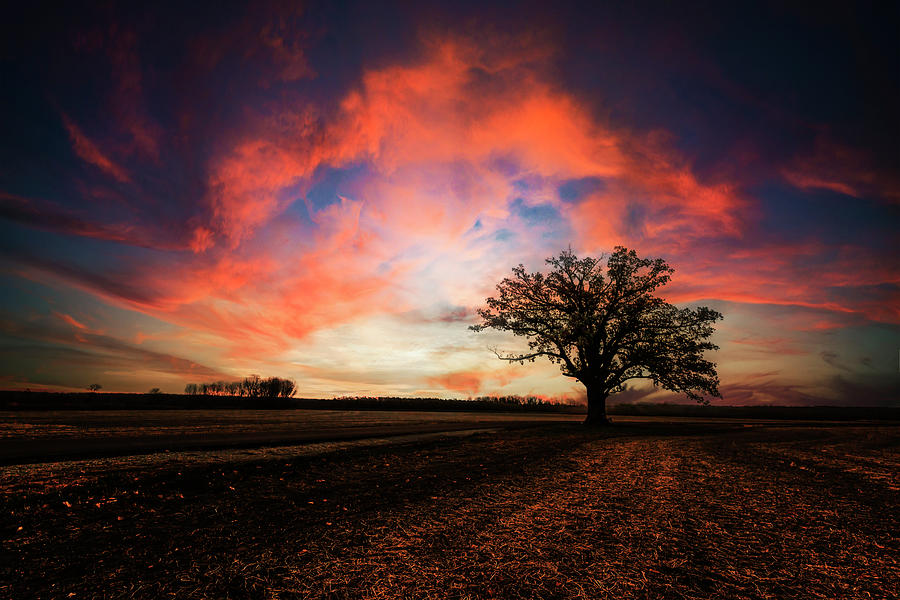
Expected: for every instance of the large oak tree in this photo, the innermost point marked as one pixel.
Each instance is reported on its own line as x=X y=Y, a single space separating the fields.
x=605 y=327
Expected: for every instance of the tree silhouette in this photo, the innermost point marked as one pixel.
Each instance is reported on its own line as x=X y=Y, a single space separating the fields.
x=95 y=387
x=251 y=387
x=606 y=329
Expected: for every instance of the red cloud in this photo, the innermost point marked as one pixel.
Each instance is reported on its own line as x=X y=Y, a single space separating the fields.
x=467 y=382
x=127 y=102
x=258 y=301
x=849 y=171
x=70 y=320
x=446 y=142
x=202 y=239
x=473 y=381
x=430 y=134
x=88 y=151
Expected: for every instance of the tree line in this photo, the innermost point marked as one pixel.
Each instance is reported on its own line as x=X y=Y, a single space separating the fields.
x=522 y=400
x=497 y=402
x=249 y=387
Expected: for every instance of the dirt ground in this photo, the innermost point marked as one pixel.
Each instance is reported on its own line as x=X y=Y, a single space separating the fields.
x=40 y=436
x=648 y=509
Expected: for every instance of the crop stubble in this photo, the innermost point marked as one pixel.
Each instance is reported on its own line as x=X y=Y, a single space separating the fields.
x=677 y=511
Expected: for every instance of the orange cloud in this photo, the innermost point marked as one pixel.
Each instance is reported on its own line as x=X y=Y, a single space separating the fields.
x=446 y=142
x=258 y=302
x=202 y=239
x=710 y=234
x=474 y=381
x=442 y=148
x=467 y=382
x=245 y=184
x=427 y=132
x=70 y=320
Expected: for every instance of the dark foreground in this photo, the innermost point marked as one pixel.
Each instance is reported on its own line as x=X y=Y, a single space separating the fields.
x=646 y=510
x=42 y=436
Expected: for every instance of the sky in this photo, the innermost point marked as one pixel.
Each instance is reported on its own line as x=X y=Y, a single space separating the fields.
x=328 y=191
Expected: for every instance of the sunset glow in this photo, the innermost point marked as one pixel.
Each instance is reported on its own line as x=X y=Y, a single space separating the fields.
x=329 y=195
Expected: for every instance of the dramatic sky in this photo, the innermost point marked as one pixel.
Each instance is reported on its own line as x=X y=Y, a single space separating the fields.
x=327 y=192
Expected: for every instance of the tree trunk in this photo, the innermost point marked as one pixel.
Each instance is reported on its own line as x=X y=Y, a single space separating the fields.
x=596 y=415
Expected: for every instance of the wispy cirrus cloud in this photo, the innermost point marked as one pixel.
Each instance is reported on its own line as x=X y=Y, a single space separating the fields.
x=88 y=151
x=77 y=347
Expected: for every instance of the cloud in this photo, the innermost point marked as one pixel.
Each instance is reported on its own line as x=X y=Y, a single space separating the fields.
x=444 y=166
x=448 y=141
x=89 y=152
x=71 y=320
x=468 y=382
x=713 y=262
x=128 y=96
x=42 y=216
x=245 y=183
x=833 y=359
x=49 y=216
x=756 y=390
x=845 y=389
x=781 y=345
x=474 y=381
x=81 y=353
x=841 y=169
x=258 y=301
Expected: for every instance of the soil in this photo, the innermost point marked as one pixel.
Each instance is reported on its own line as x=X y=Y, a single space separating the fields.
x=651 y=509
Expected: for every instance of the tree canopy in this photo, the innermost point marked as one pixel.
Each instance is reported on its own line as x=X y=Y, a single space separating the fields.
x=251 y=387
x=605 y=327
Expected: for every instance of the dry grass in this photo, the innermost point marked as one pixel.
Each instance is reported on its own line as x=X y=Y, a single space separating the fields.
x=554 y=512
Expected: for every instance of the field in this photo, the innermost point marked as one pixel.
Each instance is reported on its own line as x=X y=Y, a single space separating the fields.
x=651 y=508
x=37 y=436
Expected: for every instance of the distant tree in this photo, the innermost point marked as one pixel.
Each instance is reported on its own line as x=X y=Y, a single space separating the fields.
x=275 y=387
x=94 y=387
x=288 y=388
x=154 y=391
x=605 y=329
x=252 y=387
x=268 y=388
